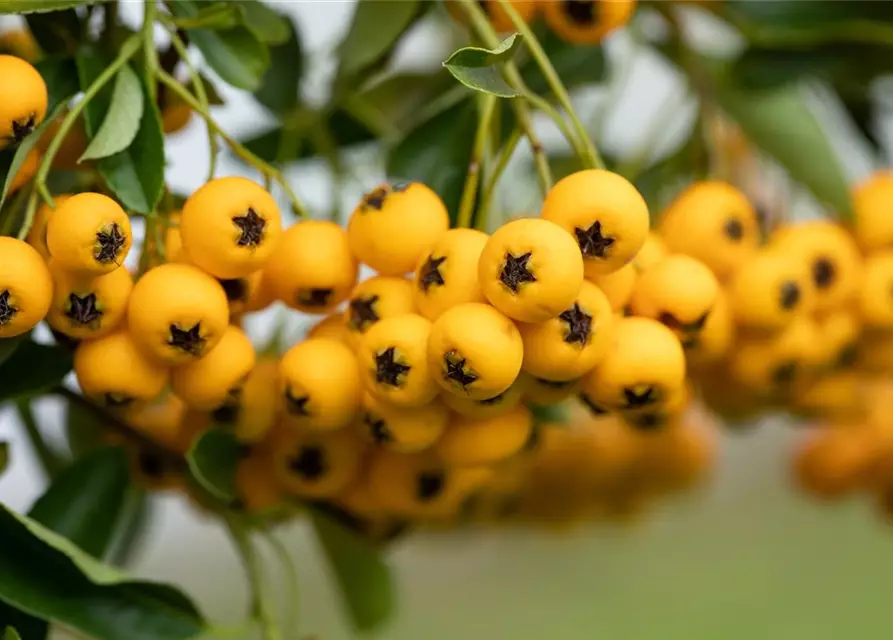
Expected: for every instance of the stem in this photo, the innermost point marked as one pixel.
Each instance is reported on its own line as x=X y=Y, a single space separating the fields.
x=128 y=50
x=472 y=179
x=240 y=150
x=200 y=92
x=541 y=104
x=490 y=189
x=592 y=158
x=149 y=15
x=252 y=563
x=51 y=461
x=287 y=562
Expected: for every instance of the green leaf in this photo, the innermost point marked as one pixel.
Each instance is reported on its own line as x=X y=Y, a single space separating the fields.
x=8 y=347
x=136 y=517
x=122 y=121
x=376 y=27
x=61 y=78
x=212 y=461
x=237 y=55
x=215 y=16
x=437 y=152
x=270 y=26
x=399 y=97
x=57 y=32
x=280 y=87
x=481 y=69
x=4 y=455
x=135 y=175
x=32 y=369
x=11 y=634
x=83 y=432
x=40 y=6
x=82 y=592
x=365 y=581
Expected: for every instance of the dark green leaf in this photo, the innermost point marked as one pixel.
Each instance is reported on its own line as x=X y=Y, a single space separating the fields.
x=437 y=152
x=56 y=33
x=61 y=78
x=268 y=25
x=132 y=529
x=481 y=69
x=365 y=581
x=212 y=461
x=122 y=120
x=32 y=369
x=8 y=347
x=135 y=175
x=4 y=455
x=376 y=27
x=11 y=634
x=83 y=591
x=399 y=97
x=83 y=431
x=214 y=16
x=40 y=6
x=280 y=89
x=345 y=129
x=864 y=114
x=236 y=55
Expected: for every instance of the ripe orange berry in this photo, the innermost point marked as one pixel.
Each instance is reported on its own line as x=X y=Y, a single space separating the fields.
x=716 y=336
x=447 y=274
x=26 y=288
x=872 y=227
x=316 y=464
x=405 y=429
x=177 y=313
x=89 y=234
x=394 y=225
x=773 y=364
x=70 y=150
x=679 y=457
x=618 y=286
x=257 y=484
x=88 y=308
x=331 y=326
x=531 y=270
x=543 y=392
x=319 y=385
x=498 y=17
x=175 y=117
x=230 y=226
x=37 y=235
x=250 y=414
x=587 y=21
x=21 y=44
x=468 y=442
x=713 y=222
x=162 y=421
x=566 y=347
x=659 y=418
x=831 y=255
x=653 y=251
x=835 y=395
x=474 y=351
x=23 y=100
x=393 y=361
x=26 y=170
x=482 y=409
x=604 y=213
x=242 y=292
x=876 y=293
x=112 y=370
x=644 y=367
x=838 y=333
x=376 y=299
x=312 y=269
x=209 y=382
x=678 y=291
x=832 y=462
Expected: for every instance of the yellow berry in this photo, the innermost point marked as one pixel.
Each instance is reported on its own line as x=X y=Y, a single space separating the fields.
x=23 y=100
x=405 y=429
x=376 y=299
x=26 y=288
x=88 y=308
x=469 y=442
x=316 y=464
x=447 y=274
x=89 y=234
x=207 y=383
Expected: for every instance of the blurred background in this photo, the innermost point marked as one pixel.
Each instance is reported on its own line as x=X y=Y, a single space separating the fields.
x=745 y=556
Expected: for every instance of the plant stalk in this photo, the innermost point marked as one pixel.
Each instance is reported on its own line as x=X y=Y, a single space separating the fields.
x=473 y=177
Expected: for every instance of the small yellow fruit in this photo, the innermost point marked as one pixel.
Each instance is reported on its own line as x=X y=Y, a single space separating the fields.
x=240 y=292
x=653 y=251
x=331 y=326
x=37 y=236
x=482 y=409
x=209 y=382
x=316 y=464
x=447 y=274
x=618 y=286
x=376 y=299
x=23 y=100
x=876 y=293
x=498 y=16
x=26 y=288
x=873 y=228
x=26 y=171
x=401 y=428
x=251 y=413
x=716 y=336
x=256 y=483
x=587 y=21
x=467 y=442
x=774 y=364
x=88 y=308
x=21 y=44
x=839 y=333
x=89 y=234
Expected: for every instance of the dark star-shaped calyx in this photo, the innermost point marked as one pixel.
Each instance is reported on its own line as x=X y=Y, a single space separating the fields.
x=639 y=396
x=823 y=273
x=430 y=275
x=387 y=370
x=733 y=229
x=110 y=244
x=188 y=340
x=429 y=485
x=297 y=405
x=7 y=311
x=581 y=11
x=361 y=312
x=456 y=369
x=378 y=429
x=83 y=311
x=515 y=271
x=579 y=325
x=788 y=295
x=228 y=414
x=315 y=297
x=21 y=129
x=375 y=199
x=251 y=227
x=309 y=463
x=592 y=243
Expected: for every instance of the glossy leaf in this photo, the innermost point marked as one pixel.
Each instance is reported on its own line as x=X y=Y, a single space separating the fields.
x=364 y=580
x=56 y=32
x=136 y=517
x=33 y=369
x=345 y=130
x=481 y=69
x=61 y=78
x=377 y=25
x=11 y=634
x=280 y=88
x=122 y=120
x=267 y=24
x=135 y=175
x=399 y=97
x=40 y=6
x=237 y=55
x=214 y=16
x=83 y=591
x=212 y=461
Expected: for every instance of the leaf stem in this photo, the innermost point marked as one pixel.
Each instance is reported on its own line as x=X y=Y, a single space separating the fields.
x=252 y=563
x=473 y=177
x=287 y=563
x=502 y=161
x=150 y=14
x=592 y=157
x=51 y=462
x=269 y=172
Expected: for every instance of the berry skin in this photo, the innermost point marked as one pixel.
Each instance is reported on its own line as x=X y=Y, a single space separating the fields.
x=393 y=361
x=230 y=226
x=770 y=290
x=483 y=409
x=644 y=367
x=474 y=351
x=89 y=234
x=447 y=273
x=468 y=443
x=331 y=326
x=394 y=225
x=873 y=228
x=603 y=213
x=37 y=236
x=241 y=292
x=716 y=336
x=112 y=370
x=653 y=251
x=26 y=288
x=175 y=117
x=251 y=413
x=832 y=257
x=21 y=44
x=500 y=20
x=839 y=333
x=177 y=313
x=312 y=269
x=319 y=385
x=680 y=455
x=23 y=100
x=257 y=484
x=837 y=395
x=678 y=291
x=400 y=428
x=566 y=347
x=876 y=293
x=543 y=392
x=373 y=300
x=316 y=464
x=209 y=382
x=88 y=308
x=163 y=422
x=586 y=21
x=26 y=171
x=773 y=364
x=832 y=462
x=713 y=222
x=618 y=286
x=530 y=270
